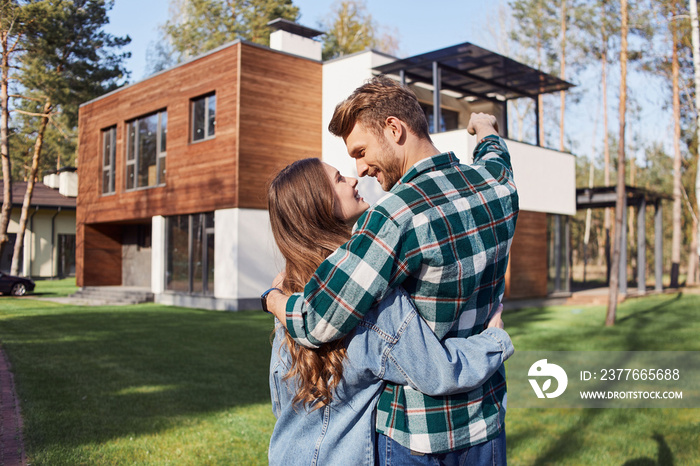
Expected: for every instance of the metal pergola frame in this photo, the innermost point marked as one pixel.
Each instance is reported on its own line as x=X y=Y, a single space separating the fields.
x=477 y=73
x=606 y=197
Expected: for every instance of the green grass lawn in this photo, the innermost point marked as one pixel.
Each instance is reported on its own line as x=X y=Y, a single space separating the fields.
x=152 y=384
x=55 y=288
x=630 y=437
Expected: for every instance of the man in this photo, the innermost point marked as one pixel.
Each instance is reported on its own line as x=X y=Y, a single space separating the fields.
x=443 y=233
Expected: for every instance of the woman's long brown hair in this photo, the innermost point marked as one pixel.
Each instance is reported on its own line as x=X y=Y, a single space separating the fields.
x=300 y=201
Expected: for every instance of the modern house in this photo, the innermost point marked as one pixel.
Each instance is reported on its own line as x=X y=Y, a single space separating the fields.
x=49 y=240
x=173 y=169
x=471 y=79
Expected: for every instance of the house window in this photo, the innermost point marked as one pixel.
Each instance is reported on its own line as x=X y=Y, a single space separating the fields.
x=66 y=255
x=190 y=253
x=145 y=153
x=109 y=148
x=203 y=117
x=449 y=119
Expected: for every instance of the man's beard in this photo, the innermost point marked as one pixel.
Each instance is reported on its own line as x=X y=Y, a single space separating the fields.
x=390 y=166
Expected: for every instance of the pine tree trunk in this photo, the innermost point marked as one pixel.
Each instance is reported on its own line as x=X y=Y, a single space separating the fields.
x=6 y=211
x=30 y=189
x=695 y=38
x=631 y=231
x=615 y=269
x=693 y=256
x=540 y=116
x=606 y=154
x=540 y=99
x=587 y=231
x=601 y=245
x=677 y=201
x=562 y=75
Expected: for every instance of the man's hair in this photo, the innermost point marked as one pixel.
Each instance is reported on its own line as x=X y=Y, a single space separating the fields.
x=375 y=101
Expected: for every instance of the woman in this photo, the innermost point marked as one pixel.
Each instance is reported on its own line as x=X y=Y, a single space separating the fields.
x=324 y=399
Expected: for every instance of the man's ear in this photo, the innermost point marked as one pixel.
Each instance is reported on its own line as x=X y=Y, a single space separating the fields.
x=394 y=128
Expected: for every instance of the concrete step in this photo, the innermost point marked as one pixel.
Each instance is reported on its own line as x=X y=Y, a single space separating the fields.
x=113 y=295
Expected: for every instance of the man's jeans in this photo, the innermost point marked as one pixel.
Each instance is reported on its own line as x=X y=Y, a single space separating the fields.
x=492 y=453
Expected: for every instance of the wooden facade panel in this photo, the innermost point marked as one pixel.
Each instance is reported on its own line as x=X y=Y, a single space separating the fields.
x=270 y=113
x=100 y=257
x=200 y=176
x=527 y=269
x=280 y=118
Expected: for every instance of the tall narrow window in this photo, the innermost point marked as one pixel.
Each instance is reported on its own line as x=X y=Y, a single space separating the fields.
x=203 y=117
x=146 y=149
x=190 y=253
x=109 y=137
x=66 y=255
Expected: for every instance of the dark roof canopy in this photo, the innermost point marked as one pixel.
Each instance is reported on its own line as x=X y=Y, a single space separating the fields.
x=606 y=196
x=42 y=197
x=473 y=71
x=281 y=24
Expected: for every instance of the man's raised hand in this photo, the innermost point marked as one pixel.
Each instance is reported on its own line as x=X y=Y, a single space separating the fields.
x=482 y=124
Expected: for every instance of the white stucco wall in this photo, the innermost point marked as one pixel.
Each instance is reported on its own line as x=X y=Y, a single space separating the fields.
x=40 y=253
x=458 y=141
x=247 y=259
x=546 y=179
x=291 y=43
x=340 y=78
x=158 y=254
x=226 y=253
x=68 y=184
x=259 y=259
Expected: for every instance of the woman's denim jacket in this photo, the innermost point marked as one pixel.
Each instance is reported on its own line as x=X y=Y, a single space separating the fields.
x=393 y=343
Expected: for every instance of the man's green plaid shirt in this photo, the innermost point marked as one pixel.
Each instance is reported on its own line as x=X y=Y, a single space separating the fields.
x=443 y=232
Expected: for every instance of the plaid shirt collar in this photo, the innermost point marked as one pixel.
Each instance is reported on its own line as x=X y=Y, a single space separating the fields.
x=436 y=162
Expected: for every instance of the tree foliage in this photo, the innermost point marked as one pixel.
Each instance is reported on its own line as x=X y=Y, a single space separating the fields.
x=66 y=59
x=593 y=46
x=12 y=28
x=350 y=28
x=197 y=26
x=537 y=30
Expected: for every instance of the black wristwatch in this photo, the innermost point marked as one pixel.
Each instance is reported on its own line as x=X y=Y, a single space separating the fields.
x=263 y=298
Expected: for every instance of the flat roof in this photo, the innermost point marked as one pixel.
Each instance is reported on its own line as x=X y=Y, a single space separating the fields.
x=474 y=71
x=606 y=196
x=281 y=24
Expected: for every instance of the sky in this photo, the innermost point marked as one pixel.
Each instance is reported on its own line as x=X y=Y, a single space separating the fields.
x=419 y=28
x=423 y=27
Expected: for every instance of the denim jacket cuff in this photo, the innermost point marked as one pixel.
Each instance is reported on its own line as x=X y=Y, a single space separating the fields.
x=503 y=339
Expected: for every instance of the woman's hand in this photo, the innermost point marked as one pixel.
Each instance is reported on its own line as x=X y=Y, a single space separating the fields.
x=496 y=319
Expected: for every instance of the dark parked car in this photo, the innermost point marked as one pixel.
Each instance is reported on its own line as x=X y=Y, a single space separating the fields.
x=16 y=286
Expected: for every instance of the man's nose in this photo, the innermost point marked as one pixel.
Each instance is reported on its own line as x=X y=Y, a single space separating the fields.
x=362 y=167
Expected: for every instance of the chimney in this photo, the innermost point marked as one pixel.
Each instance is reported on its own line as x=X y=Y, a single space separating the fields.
x=290 y=37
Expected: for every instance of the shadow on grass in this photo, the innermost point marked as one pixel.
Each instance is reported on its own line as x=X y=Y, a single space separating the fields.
x=648 y=313
x=664 y=456
x=572 y=442
x=86 y=377
x=567 y=445
x=661 y=323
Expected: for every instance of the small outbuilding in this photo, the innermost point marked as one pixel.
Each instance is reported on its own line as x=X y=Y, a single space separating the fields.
x=49 y=241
